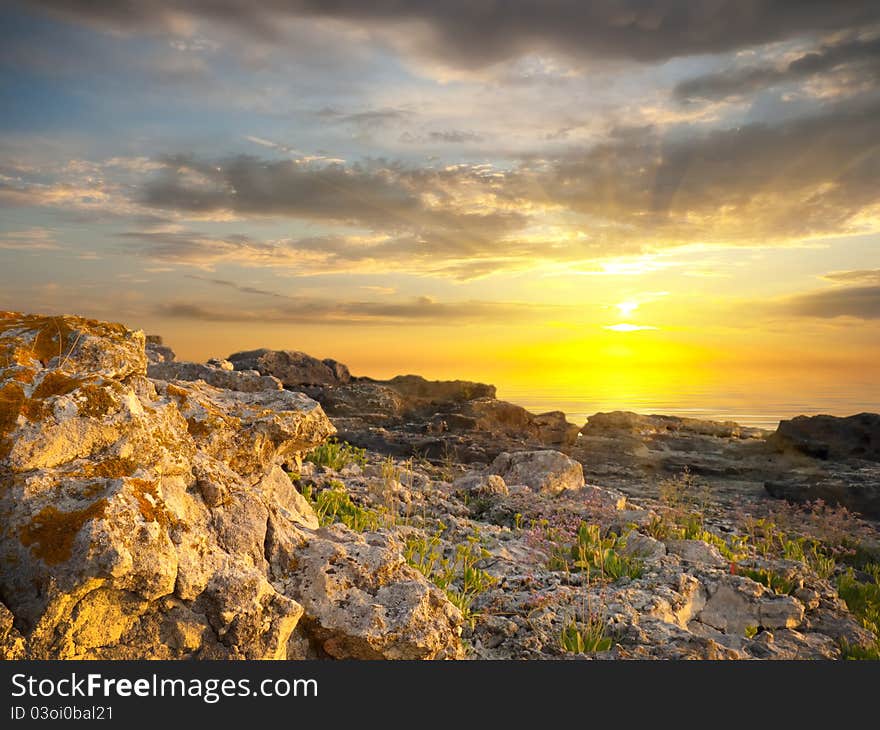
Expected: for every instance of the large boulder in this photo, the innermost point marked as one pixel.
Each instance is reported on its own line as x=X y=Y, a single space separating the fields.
x=542 y=471
x=830 y=437
x=364 y=602
x=152 y=519
x=291 y=367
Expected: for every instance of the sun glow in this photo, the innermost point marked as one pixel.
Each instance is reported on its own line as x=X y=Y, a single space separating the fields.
x=627 y=308
x=626 y=327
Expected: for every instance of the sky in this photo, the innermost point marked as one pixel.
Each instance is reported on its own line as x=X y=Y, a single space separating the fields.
x=633 y=203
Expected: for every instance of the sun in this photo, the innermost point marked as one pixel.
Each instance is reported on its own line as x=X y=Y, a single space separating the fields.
x=627 y=308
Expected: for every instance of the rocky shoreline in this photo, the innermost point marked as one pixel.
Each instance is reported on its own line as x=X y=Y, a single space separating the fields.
x=272 y=505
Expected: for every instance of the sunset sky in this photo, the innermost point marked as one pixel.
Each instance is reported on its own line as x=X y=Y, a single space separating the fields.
x=608 y=199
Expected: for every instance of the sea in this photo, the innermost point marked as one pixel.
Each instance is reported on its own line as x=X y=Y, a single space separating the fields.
x=761 y=405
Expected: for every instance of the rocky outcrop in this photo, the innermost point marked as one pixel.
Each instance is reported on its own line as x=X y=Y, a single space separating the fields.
x=409 y=415
x=830 y=437
x=292 y=368
x=148 y=518
x=438 y=391
x=244 y=381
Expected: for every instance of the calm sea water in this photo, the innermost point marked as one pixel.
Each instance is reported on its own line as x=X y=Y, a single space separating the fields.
x=761 y=405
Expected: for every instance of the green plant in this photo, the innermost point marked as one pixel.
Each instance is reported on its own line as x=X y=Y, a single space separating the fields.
x=683 y=491
x=596 y=555
x=777 y=583
x=871 y=652
x=585 y=634
x=334 y=505
x=862 y=598
x=457 y=574
x=337 y=455
x=751 y=632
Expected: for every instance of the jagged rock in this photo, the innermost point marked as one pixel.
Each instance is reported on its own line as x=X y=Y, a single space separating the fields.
x=439 y=390
x=736 y=603
x=542 y=471
x=152 y=519
x=292 y=368
x=831 y=437
x=157 y=351
x=11 y=642
x=368 y=402
x=363 y=601
x=227 y=379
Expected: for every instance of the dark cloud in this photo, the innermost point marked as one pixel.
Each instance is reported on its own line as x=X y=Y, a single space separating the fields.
x=758 y=183
x=860 y=59
x=468 y=33
x=378 y=195
x=860 y=302
x=639 y=191
x=420 y=310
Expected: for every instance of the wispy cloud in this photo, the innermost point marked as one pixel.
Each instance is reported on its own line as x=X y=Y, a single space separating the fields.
x=420 y=310
x=32 y=239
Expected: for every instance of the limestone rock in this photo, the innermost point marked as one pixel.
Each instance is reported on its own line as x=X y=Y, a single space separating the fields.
x=363 y=601
x=291 y=367
x=481 y=485
x=439 y=390
x=226 y=379
x=736 y=603
x=644 y=547
x=697 y=552
x=157 y=351
x=542 y=471
x=152 y=519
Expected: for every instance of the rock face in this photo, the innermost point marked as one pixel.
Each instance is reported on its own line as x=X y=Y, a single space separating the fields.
x=245 y=381
x=830 y=437
x=152 y=519
x=548 y=472
x=292 y=368
x=157 y=351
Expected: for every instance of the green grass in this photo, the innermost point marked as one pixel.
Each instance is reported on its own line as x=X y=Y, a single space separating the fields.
x=337 y=455
x=774 y=581
x=334 y=505
x=859 y=652
x=863 y=600
x=585 y=636
x=596 y=555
